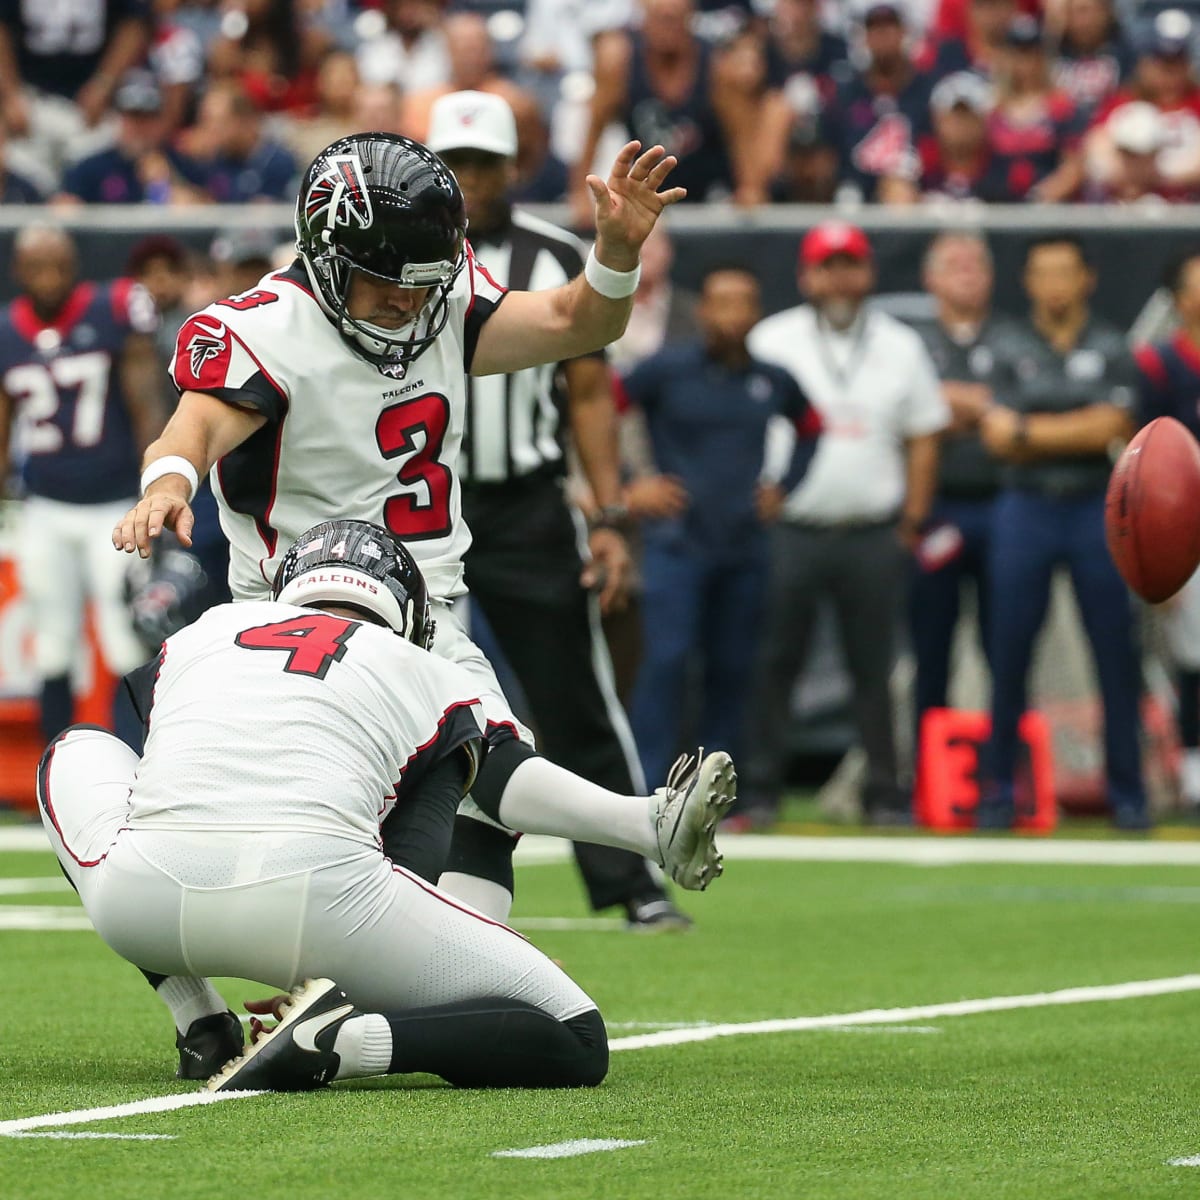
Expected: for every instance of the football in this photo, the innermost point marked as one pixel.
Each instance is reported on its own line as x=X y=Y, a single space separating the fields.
x=1152 y=510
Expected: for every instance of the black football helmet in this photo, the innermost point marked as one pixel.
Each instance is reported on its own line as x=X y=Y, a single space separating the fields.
x=386 y=205
x=361 y=566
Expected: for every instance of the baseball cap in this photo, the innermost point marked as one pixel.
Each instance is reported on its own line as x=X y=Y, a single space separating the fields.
x=1170 y=35
x=963 y=87
x=472 y=121
x=1024 y=31
x=1137 y=127
x=138 y=92
x=831 y=238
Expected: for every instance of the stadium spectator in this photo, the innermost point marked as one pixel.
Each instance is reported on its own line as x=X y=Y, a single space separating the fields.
x=540 y=597
x=241 y=257
x=951 y=18
x=980 y=44
x=472 y=69
x=670 y=88
x=878 y=117
x=410 y=51
x=79 y=372
x=230 y=157
x=59 y=68
x=809 y=170
x=964 y=340
x=799 y=45
x=1094 y=58
x=955 y=161
x=1065 y=386
x=845 y=531
x=1168 y=384
x=333 y=116
x=1137 y=132
x=270 y=50
x=378 y=106
x=15 y=188
x=138 y=168
x=161 y=265
x=176 y=58
x=1164 y=78
x=708 y=405
x=1034 y=129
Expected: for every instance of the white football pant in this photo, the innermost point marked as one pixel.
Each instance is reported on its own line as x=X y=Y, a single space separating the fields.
x=65 y=556
x=275 y=908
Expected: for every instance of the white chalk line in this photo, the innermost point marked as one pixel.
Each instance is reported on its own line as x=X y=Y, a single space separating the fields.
x=570 y=1149
x=43 y=918
x=39 y=886
x=701 y=1033
x=947 y=850
x=116 y=1137
x=917 y=1013
x=1192 y=1160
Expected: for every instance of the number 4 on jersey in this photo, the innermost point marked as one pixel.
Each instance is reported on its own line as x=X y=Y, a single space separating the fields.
x=311 y=643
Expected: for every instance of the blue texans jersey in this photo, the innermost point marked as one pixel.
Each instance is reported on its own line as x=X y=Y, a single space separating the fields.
x=1169 y=381
x=73 y=432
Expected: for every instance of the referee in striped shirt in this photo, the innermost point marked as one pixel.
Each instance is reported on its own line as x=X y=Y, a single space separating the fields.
x=533 y=569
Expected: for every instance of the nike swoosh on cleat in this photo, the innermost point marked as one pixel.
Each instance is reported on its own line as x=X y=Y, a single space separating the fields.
x=306 y=1037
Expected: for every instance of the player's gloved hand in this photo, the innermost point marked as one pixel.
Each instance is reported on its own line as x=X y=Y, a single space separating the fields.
x=629 y=204
x=162 y=507
x=611 y=569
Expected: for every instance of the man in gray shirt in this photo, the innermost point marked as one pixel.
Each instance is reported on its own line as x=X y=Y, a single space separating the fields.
x=1065 y=387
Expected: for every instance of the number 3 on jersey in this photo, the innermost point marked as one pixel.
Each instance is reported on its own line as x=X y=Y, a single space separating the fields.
x=311 y=643
x=416 y=428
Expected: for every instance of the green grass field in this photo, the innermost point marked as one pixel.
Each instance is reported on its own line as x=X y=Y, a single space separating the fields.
x=1071 y=1100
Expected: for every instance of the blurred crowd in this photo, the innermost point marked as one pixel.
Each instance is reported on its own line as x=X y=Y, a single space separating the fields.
x=225 y=101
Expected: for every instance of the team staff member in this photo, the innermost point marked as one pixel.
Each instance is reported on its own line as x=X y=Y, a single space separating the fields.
x=1168 y=384
x=525 y=568
x=708 y=406
x=78 y=369
x=845 y=531
x=964 y=339
x=1066 y=391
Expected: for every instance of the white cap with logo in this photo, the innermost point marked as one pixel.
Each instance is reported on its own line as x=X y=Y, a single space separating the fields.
x=472 y=121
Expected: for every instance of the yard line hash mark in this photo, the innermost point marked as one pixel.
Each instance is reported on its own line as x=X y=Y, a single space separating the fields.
x=569 y=1149
x=1137 y=989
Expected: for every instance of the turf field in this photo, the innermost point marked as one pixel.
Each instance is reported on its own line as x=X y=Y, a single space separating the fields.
x=1067 y=1095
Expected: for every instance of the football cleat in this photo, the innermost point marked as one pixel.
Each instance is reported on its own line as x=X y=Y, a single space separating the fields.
x=685 y=814
x=208 y=1045
x=297 y=1055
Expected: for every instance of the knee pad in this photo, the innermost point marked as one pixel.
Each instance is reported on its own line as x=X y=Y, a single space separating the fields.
x=589 y=1031
x=500 y=762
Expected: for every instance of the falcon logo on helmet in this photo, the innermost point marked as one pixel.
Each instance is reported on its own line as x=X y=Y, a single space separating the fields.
x=340 y=196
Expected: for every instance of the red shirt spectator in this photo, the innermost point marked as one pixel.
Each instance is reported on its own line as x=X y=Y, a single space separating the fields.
x=952 y=21
x=1034 y=128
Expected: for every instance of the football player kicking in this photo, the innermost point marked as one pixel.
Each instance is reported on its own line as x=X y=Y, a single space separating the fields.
x=247 y=840
x=337 y=389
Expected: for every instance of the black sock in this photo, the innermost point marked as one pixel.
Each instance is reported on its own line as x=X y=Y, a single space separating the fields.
x=152 y=978
x=1189 y=708
x=499 y=1043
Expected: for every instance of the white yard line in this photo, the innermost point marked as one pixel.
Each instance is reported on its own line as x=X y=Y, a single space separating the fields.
x=570 y=924
x=46 y=918
x=923 y=1012
x=1193 y=1160
x=569 y=1149
x=925 y=851
x=702 y=1033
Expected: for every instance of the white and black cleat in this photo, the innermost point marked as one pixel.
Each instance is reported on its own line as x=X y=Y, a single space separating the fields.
x=297 y=1055
x=699 y=792
x=209 y=1043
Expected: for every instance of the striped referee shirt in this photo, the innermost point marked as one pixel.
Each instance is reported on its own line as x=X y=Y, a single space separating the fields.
x=515 y=424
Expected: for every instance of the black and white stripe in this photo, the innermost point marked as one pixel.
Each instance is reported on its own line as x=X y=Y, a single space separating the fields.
x=515 y=423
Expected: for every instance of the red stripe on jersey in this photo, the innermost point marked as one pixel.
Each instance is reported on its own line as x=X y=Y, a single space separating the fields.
x=28 y=324
x=1187 y=350
x=809 y=426
x=438 y=732
x=470 y=276
x=462 y=908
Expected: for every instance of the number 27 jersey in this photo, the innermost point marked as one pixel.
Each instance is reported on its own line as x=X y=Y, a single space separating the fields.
x=341 y=439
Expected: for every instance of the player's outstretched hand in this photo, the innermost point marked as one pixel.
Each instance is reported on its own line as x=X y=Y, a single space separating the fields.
x=154 y=512
x=629 y=204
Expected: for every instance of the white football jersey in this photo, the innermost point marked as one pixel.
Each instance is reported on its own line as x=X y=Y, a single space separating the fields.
x=342 y=440
x=265 y=716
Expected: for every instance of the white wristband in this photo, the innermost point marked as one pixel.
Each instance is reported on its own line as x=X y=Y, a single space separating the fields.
x=171 y=464
x=613 y=285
